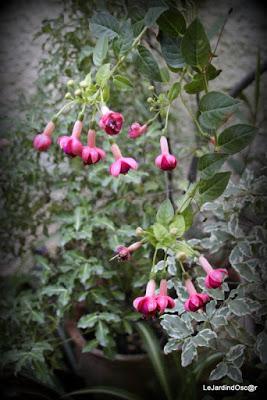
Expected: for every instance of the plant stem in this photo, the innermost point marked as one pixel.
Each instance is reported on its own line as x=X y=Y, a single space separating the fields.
x=193 y=117
x=64 y=107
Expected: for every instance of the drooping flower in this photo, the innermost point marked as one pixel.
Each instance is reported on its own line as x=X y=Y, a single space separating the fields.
x=124 y=253
x=122 y=164
x=90 y=153
x=136 y=130
x=165 y=160
x=71 y=145
x=196 y=300
x=163 y=300
x=147 y=305
x=215 y=277
x=111 y=121
x=43 y=140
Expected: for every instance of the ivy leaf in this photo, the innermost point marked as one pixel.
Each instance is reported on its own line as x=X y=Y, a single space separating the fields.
x=189 y=352
x=171 y=50
x=148 y=65
x=219 y=372
x=153 y=14
x=215 y=108
x=195 y=45
x=165 y=213
x=210 y=163
x=100 y=50
x=212 y=188
x=236 y=138
x=104 y=23
x=242 y=306
x=103 y=74
x=172 y=22
x=236 y=355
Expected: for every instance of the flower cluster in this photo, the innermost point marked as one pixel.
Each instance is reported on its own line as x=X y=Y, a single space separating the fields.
x=111 y=122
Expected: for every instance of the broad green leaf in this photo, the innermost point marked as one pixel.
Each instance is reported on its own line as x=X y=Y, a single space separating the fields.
x=212 y=188
x=174 y=91
x=242 y=306
x=183 y=247
x=189 y=352
x=102 y=333
x=104 y=23
x=216 y=108
x=122 y=82
x=171 y=51
x=175 y=326
x=100 y=50
x=165 y=75
x=211 y=163
x=172 y=22
x=179 y=224
x=153 y=14
x=198 y=82
x=148 y=65
x=103 y=74
x=92 y=344
x=165 y=212
x=126 y=37
x=236 y=138
x=162 y=234
x=188 y=217
x=88 y=321
x=195 y=45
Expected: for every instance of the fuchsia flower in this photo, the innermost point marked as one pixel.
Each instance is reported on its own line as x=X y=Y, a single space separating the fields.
x=43 y=140
x=162 y=299
x=136 y=130
x=92 y=154
x=165 y=160
x=196 y=300
x=215 y=277
x=110 y=121
x=147 y=304
x=122 y=164
x=71 y=145
x=124 y=253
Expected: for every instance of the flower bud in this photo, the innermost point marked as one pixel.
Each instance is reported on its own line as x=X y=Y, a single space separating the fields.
x=78 y=92
x=181 y=256
x=150 y=100
x=139 y=231
x=70 y=82
x=68 y=96
x=173 y=231
x=151 y=87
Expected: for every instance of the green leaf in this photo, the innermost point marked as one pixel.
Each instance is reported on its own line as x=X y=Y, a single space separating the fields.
x=242 y=306
x=195 y=45
x=152 y=15
x=219 y=372
x=189 y=352
x=198 y=82
x=102 y=333
x=216 y=108
x=174 y=91
x=155 y=354
x=126 y=37
x=171 y=51
x=179 y=224
x=88 y=321
x=234 y=373
x=100 y=50
x=172 y=22
x=162 y=235
x=210 y=163
x=148 y=65
x=212 y=188
x=175 y=326
x=103 y=74
x=204 y=337
x=92 y=344
x=165 y=213
x=122 y=82
x=103 y=23
x=105 y=390
x=183 y=247
x=236 y=138
x=188 y=217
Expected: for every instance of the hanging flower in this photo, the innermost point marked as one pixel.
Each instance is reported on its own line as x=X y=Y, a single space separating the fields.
x=111 y=121
x=165 y=160
x=215 y=277
x=43 y=140
x=71 y=145
x=147 y=305
x=136 y=130
x=196 y=300
x=124 y=253
x=163 y=300
x=122 y=164
x=92 y=154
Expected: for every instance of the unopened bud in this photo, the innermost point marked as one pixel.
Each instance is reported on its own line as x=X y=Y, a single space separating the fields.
x=151 y=87
x=213 y=140
x=149 y=100
x=70 y=82
x=68 y=96
x=83 y=84
x=78 y=92
x=181 y=256
x=139 y=231
x=151 y=109
x=173 y=231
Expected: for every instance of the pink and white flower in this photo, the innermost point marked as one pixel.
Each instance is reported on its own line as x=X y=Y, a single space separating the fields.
x=215 y=277
x=71 y=145
x=163 y=300
x=165 y=160
x=90 y=153
x=122 y=164
x=43 y=140
x=147 y=305
x=111 y=121
x=196 y=300
x=136 y=130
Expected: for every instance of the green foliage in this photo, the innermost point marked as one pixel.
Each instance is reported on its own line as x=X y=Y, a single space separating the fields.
x=195 y=45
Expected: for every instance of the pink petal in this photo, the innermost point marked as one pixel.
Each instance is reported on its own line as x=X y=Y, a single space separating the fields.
x=115 y=168
x=137 y=302
x=131 y=162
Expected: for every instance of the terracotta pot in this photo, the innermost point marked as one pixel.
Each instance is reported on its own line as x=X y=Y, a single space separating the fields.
x=133 y=373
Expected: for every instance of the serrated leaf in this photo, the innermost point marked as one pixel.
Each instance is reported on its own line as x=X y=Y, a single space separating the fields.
x=122 y=82
x=212 y=188
x=195 y=45
x=148 y=65
x=172 y=22
x=103 y=23
x=198 y=82
x=189 y=352
x=103 y=74
x=171 y=50
x=165 y=213
x=100 y=50
x=102 y=333
x=153 y=14
x=211 y=163
x=126 y=38
x=216 y=108
x=235 y=138
x=175 y=326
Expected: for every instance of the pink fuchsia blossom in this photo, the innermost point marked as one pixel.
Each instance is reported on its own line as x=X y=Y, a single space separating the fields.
x=71 y=145
x=92 y=154
x=147 y=305
x=215 y=277
x=111 y=121
x=122 y=164
x=163 y=300
x=124 y=253
x=43 y=140
x=165 y=160
x=196 y=300
x=136 y=130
